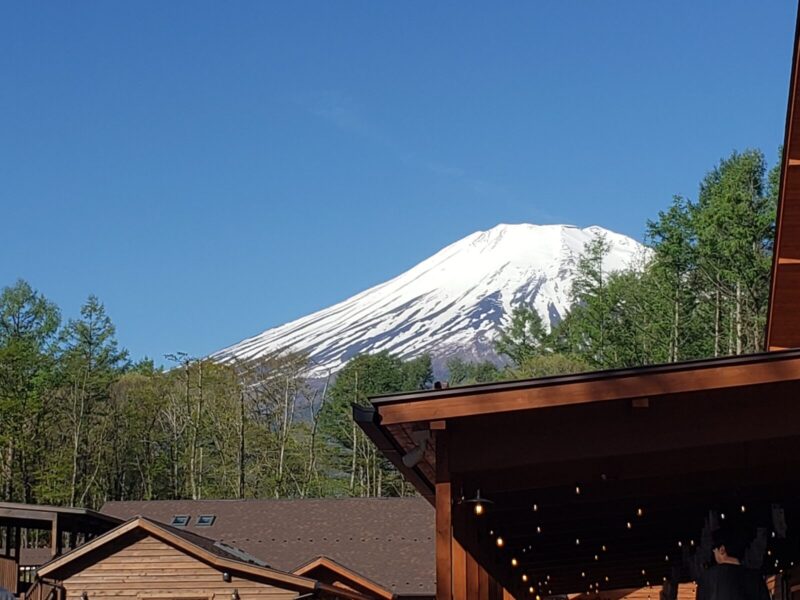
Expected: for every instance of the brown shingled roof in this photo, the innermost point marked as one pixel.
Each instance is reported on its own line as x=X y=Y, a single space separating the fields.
x=387 y=540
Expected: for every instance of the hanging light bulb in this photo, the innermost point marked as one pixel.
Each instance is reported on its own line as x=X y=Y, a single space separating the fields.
x=524 y=577
x=535 y=507
x=596 y=557
x=531 y=590
x=583 y=573
x=639 y=512
x=691 y=543
x=629 y=525
x=722 y=516
x=500 y=542
x=744 y=508
x=577 y=541
x=666 y=558
x=603 y=548
x=514 y=562
x=538 y=529
x=479 y=503
x=680 y=544
x=606 y=578
x=644 y=572
x=577 y=489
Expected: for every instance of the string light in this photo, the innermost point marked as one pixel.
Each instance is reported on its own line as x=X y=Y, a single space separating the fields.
x=644 y=572
x=744 y=508
x=596 y=557
x=606 y=578
x=666 y=558
x=629 y=525
x=680 y=544
x=691 y=543
x=538 y=529
x=478 y=508
x=531 y=590
x=524 y=577
x=577 y=489
x=603 y=548
x=500 y=542
x=639 y=512
x=722 y=516
x=535 y=508
x=577 y=541
x=514 y=562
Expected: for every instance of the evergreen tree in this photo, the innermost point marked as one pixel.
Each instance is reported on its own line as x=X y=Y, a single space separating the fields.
x=28 y=326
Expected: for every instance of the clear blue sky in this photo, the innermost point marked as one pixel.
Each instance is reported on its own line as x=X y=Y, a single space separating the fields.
x=211 y=169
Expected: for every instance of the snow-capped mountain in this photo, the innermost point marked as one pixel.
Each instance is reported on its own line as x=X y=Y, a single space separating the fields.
x=453 y=303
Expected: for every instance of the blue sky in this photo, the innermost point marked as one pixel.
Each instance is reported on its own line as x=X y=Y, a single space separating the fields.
x=211 y=169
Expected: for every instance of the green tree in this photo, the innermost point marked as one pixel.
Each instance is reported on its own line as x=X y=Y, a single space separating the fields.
x=90 y=362
x=523 y=336
x=28 y=326
x=354 y=461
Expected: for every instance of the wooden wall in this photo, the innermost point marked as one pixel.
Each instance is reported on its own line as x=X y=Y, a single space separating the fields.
x=152 y=569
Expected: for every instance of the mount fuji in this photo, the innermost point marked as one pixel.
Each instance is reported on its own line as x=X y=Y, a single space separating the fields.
x=451 y=304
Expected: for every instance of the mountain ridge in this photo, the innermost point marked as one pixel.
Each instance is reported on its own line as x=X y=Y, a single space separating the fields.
x=453 y=303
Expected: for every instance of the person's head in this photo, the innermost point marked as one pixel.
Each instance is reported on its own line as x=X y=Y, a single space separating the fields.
x=730 y=542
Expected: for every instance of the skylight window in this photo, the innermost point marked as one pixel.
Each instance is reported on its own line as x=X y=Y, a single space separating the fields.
x=206 y=520
x=180 y=520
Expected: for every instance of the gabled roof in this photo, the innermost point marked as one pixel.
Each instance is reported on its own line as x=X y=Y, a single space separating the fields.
x=388 y=541
x=350 y=576
x=195 y=545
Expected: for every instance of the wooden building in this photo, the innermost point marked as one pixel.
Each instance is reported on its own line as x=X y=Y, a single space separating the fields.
x=146 y=560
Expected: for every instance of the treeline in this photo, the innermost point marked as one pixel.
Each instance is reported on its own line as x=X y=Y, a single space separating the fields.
x=80 y=423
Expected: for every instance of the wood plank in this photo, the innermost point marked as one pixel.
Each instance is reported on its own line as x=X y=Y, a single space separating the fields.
x=459 y=571
x=473 y=583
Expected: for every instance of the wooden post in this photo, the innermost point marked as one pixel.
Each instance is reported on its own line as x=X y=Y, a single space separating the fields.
x=17 y=542
x=483 y=583
x=459 y=571
x=55 y=537
x=444 y=520
x=473 y=585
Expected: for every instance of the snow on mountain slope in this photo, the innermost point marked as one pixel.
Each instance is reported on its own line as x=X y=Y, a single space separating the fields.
x=451 y=304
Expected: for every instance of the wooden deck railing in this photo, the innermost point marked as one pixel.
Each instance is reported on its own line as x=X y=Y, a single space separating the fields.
x=42 y=591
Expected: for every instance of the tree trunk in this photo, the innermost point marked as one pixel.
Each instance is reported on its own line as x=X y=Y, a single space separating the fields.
x=241 y=445
x=739 y=332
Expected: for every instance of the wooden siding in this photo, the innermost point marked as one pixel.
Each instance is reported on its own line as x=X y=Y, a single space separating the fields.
x=9 y=574
x=152 y=569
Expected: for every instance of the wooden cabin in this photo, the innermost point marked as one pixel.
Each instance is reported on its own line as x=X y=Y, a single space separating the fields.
x=146 y=560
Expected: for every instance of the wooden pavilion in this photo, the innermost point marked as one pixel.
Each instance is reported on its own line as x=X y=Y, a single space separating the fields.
x=592 y=483
x=56 y=528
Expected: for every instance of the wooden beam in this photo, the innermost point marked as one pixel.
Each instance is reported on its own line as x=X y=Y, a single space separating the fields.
x=444 y=525
x=600 y=387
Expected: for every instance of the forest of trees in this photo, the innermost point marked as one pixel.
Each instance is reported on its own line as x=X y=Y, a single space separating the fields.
x=80 y=423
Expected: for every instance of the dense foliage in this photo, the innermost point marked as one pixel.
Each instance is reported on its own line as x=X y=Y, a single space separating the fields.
x=81 y=424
